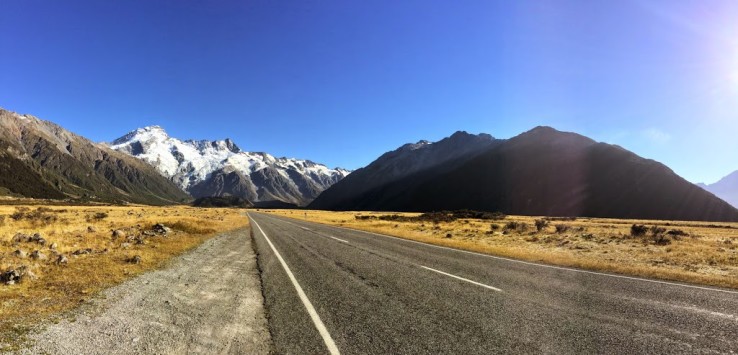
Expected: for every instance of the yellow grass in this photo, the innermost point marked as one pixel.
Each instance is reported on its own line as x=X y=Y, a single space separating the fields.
x=707 y=255
x=58 y=288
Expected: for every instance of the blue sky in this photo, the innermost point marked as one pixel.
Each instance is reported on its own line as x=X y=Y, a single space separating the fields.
x=341 y=82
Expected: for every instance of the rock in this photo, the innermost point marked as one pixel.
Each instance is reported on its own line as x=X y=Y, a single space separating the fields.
x=10 y=277
x=134 y=260
x=37 y=255
x=82 y=251
x=20 y=254
x=62 y=260
x=21 y=238
x=91 y=229
x=161 y=229
x=118 y=234
x=140 y=240
x=53 y=246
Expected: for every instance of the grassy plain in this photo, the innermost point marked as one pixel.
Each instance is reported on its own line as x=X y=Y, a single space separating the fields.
x=95 y=258
x=694 y=252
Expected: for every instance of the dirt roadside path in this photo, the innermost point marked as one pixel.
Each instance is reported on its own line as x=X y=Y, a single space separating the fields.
x=206 y=301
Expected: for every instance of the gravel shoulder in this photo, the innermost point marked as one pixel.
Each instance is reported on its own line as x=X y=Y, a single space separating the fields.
x=206 y=301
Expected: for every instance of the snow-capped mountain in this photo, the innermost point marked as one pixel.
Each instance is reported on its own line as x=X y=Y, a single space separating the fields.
x=219 y=168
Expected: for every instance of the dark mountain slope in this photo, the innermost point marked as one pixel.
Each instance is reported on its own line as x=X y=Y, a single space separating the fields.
x=364 y=186
x=552 y=173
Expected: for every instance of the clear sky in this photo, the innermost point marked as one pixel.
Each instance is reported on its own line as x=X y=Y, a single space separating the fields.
x=342 y=81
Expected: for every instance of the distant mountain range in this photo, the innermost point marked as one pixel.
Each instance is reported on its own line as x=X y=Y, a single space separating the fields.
x=39 y=159
x=726 y=188
x=541 y=172
x=220 y=168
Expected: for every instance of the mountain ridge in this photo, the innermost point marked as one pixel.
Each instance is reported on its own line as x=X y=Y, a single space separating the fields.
x=44 y=160
x=206 y=168
x=543 y=172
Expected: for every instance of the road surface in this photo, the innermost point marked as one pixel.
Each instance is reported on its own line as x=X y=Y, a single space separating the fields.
x=207 y=301
x=334 y=290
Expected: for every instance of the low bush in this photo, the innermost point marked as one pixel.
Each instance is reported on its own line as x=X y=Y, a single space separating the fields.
x=541 y=224
x=638 y=230
x=516 y=226
x=562 y=228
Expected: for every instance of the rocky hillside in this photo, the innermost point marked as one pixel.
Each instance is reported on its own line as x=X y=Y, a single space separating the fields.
x=220 y=168
x=39 y=159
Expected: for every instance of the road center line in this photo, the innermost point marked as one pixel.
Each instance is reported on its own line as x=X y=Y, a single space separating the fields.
x=462 y=279
x=332 y=348
x=340 y=240
x=563 y=268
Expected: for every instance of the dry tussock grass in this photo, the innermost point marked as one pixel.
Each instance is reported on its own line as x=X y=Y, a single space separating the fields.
x=52 y=288
x=695 y=252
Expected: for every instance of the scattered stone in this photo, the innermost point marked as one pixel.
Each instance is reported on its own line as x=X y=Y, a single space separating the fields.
x=118 y=234
x=62 y=260
x=53 y=246
x=134 y=259
x=38 y=239
x=82 y=251
x=21 y=238
x=20 y=254
x=161 y=229
x=14 y=276
x=91 y=229
x=10 y=277
x=37 y=255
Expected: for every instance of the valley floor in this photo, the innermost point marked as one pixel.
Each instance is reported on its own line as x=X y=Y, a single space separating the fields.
x=694 y=252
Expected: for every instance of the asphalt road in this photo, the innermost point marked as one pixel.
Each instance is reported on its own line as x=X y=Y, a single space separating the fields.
x=362 y=293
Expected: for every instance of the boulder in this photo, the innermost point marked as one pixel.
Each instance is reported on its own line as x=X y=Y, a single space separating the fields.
x=20 y=254
x=21 y=238
x=118 y=234
x=62 y=260
x=11 y=277
x=37 y=255
x=161 y=229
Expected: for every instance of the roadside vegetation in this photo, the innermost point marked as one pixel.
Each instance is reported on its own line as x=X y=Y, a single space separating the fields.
x=53 y=259
x=695 y=252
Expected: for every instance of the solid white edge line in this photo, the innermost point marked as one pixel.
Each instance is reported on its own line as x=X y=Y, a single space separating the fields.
x=537 y=264
x=461 y=278
x=332 y=348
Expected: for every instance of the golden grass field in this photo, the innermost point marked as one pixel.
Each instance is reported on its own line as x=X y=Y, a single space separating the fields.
x=50 y=288
x=707 y=253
